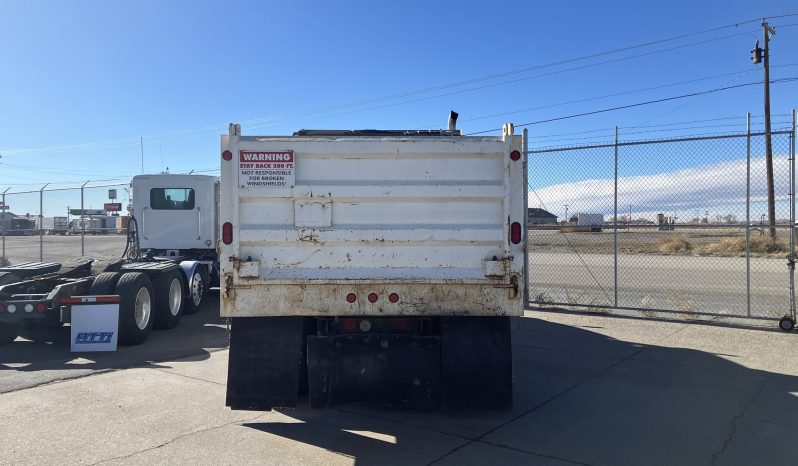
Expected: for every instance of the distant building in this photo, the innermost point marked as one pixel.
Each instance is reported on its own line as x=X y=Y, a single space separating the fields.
x=15 y=224
x=537 y=216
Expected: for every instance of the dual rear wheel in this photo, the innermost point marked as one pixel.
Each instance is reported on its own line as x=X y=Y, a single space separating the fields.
x=145 y=304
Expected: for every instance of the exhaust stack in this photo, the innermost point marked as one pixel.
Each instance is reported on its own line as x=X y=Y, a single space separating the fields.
x=453 y=120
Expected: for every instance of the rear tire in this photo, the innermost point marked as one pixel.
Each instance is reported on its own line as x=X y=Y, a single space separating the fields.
x=135 y=308
x=197 y=290
x=169 y=299
x=105 y=284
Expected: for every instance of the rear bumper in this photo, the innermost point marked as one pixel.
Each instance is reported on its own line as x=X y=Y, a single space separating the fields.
x=19 y=310
x=265 y=299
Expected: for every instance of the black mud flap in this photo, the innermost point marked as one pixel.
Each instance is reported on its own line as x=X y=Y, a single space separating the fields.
x=391 y=369
x=263 y=369
x=476 y=363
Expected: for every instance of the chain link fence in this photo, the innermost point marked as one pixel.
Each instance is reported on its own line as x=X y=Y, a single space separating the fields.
x=674 y=226
x=62 y=224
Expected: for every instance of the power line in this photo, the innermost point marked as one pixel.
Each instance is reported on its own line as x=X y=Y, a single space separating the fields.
x=638 y=104
x=551 y=64
x=271 y=119
x=588 y=99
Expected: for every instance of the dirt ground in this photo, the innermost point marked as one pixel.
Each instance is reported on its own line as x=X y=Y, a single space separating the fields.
x=717 y=242
x=62 y=249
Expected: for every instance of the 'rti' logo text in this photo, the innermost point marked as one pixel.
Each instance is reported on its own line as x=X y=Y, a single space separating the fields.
x=83 y=338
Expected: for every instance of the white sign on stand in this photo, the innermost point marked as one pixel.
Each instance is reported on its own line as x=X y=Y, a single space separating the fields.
x=95 y=323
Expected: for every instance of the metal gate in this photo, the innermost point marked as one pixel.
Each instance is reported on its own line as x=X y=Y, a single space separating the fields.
x=674 y=226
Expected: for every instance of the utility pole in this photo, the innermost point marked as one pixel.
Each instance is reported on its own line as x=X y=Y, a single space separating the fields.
x=630 y=217
x=566 y=212
x=141 y=143
x=763 y=56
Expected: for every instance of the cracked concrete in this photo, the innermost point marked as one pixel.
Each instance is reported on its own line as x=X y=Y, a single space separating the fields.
x=735 y=420
x=589 y=390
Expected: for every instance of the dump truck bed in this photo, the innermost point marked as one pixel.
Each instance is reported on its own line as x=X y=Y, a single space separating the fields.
x=333 y=225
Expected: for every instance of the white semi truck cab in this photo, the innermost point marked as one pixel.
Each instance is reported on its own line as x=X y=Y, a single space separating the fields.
x=168 y=266
x=176 y=213
x=371 y=265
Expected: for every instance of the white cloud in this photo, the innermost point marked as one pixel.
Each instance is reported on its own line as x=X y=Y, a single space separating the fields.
x=718 y=188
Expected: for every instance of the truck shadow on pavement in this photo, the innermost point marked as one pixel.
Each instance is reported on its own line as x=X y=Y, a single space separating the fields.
x=585 y=398
x=45 y=353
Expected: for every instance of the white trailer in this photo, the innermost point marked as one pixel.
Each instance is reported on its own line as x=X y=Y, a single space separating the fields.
x=592 y=220
x=371 y=265
x=53 y=225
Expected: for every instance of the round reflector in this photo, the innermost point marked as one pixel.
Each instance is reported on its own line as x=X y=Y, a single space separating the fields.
x=515 y=155
x=349 y=325
x=393 y=297
x=227 y=155
x=351 y=297
x=365 y=326
x=41 y=308
x=373 y=297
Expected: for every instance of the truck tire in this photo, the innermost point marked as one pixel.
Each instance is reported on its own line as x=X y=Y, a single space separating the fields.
x=105 y=284
x=8 y=277
x=8 y=332
x=169 y=299
x=135 y=308
x=197 y=289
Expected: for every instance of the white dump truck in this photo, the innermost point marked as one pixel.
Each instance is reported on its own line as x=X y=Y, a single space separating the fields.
x=371 y=265
x=166 y=270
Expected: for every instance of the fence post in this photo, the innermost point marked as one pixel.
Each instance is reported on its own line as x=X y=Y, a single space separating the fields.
x=41 y=223
x=792 y=218
x=4 y=227
x=82 y=222
x=526 y=216
x=748 y=213
x=615 y=222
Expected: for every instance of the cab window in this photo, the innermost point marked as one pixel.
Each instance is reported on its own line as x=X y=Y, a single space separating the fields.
x=172 y=198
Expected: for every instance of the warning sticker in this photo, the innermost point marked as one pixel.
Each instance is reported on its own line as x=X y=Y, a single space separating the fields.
x=266 y=169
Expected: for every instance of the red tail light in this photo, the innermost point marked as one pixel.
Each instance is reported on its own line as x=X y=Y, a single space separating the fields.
x=515 y=155
x=227 y=233
x=515 y=233
x=393 y=297
x=349 y=325
x=351 y=298
x=2 y=308
x=40 y=308
x=227 y=155
x=373 y=297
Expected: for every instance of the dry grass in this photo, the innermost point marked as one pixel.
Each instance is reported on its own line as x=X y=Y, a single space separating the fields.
x=673 y=245
x=760 y=246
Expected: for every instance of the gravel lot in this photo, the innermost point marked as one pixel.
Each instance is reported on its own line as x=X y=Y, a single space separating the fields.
x=59 y=248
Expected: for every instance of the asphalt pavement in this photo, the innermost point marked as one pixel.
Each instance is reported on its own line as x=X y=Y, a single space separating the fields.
x=682 y=283
x=588 y=389
x=44 y=356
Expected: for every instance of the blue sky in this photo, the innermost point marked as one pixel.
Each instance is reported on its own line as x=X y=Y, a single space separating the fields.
x=83 y=81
